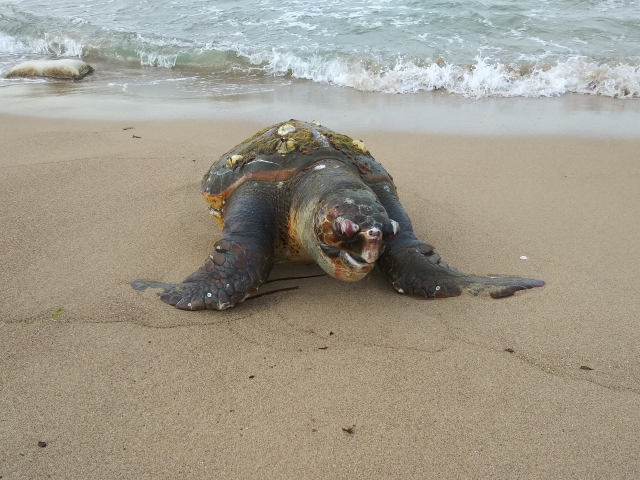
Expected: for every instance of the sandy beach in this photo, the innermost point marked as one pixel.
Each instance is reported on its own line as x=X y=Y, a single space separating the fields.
x=329 y=380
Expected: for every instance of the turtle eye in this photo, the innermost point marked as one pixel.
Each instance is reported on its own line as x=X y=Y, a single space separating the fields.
x=391 y=229
x=345 y=227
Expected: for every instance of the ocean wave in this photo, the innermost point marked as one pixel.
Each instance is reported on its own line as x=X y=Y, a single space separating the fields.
x=49 y=45
x=153 y=59
x=530 y=76
x=481 y=78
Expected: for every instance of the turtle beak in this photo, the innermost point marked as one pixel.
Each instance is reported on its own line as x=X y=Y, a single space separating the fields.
x=371 y=245
x=371 y=241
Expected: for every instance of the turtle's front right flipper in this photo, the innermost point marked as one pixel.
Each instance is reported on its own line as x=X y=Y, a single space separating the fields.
x=232 y=272
x=239 y=263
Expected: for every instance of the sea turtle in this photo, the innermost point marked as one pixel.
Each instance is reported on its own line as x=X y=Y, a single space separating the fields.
x=298 y=192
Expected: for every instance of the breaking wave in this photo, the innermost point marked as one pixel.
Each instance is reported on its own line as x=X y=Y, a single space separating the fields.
x=49 y=45
x=480 y=78
x=466 y=47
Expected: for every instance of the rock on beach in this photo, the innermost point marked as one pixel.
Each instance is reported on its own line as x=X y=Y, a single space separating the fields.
x=67 y=68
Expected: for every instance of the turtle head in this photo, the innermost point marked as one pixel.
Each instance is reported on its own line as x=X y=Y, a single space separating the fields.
x=350 y=230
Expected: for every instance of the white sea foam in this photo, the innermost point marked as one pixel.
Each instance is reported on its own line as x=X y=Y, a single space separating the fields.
x=480 y=79
x=12 y=45
x=48 y=45
x=153 y=59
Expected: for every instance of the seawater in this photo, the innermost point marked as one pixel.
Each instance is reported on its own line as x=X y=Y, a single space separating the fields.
x=530 y=48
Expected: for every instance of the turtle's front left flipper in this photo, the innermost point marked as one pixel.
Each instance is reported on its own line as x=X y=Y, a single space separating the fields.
x=239 y=263
x=413 y=267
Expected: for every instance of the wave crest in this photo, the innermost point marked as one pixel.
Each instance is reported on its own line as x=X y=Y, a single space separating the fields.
x=153 y=59
x=49 y=45
x=482 y=78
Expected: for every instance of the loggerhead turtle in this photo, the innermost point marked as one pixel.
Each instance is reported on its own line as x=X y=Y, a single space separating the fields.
x=298 y=192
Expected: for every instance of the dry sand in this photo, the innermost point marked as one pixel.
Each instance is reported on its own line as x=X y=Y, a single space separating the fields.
x=120 y=385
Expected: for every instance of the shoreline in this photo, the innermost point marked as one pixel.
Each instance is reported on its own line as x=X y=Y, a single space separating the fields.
x=120 y=385
x=434 y=112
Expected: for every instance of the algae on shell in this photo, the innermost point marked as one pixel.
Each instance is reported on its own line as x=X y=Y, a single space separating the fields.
x=345 y=144
x=286 y=139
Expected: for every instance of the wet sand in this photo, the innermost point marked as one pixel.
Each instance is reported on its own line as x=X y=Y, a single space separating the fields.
x=544 y=384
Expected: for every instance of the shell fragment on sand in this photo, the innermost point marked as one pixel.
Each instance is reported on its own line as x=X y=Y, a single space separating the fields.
x=67 y=68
